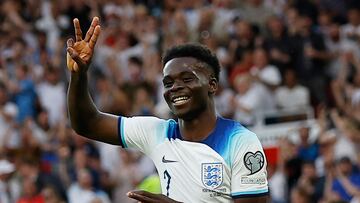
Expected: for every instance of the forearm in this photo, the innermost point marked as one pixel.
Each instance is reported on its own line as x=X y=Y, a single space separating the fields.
x=264 y=199
x=349 y=187
x=82 y=110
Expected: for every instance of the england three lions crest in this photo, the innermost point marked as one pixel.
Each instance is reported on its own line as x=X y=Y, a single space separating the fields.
x=212 y=174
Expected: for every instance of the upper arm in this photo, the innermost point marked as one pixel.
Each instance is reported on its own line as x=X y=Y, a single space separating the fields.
x=140 y=132
x=104 y=128
x=249 y=176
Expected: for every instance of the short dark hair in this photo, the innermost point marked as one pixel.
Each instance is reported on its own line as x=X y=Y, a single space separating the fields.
x=136 y=60
x=196 y=51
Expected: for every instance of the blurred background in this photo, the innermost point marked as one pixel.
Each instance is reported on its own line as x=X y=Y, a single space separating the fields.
x=290 y=72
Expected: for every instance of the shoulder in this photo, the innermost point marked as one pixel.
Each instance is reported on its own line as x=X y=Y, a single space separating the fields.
x=148 y=123
x=236 y=133
x=233 y=126
x=241 y=138
x=144 y=120
x=143 y=124
x=301 y=88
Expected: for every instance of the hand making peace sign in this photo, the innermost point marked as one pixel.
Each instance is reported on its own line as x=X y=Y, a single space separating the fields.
x=80 y=52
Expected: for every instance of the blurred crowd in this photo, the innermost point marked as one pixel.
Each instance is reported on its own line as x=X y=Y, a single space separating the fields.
x=276 y=55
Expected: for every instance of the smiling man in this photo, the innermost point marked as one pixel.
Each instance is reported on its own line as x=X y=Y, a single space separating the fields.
x=201 y=157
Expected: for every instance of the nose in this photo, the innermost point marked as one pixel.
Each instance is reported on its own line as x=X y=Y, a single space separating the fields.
x=178 y=85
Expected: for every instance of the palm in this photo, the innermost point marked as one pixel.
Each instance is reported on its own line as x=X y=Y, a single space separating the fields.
x=80 y=52
x=85 y=54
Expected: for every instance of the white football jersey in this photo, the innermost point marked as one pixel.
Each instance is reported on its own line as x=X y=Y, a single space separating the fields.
x=228 y=164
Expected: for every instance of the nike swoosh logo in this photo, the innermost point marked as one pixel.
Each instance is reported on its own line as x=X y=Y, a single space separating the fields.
x=167 y=161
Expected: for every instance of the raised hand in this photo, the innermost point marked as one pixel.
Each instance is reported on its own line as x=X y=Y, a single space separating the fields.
x=80 y=52
x=147 y=197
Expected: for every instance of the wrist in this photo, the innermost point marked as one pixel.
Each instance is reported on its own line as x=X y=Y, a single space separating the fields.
x=76 y=76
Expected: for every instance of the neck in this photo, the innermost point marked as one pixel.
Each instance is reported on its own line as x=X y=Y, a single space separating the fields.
x=291 y=86
x=199 y=128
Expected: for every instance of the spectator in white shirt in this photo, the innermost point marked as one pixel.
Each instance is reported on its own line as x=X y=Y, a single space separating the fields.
x=82 y=191
x=52 y=95
x=292 y=95
x=351 y=30
x=6 y=168
x=264 y=72
x=9 y=135
x=251 y=98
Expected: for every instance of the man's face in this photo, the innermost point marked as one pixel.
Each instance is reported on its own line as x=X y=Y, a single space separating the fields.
x=345 y=167
x=187 y=85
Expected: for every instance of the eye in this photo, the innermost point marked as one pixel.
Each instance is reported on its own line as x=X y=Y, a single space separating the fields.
x=188 y=79
x=168 y=84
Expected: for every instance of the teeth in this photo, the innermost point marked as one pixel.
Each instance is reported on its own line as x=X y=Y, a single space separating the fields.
x=180 y=99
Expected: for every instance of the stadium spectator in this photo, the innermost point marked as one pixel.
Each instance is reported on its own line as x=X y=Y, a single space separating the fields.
x=6 y=168
x=251 y=99
x=277 y=43
x=291 y=95
x=82 y=190
x=307 y=151
x=51 y=95
x=347 y=183
x=23 y=93
x=29 y=169
x=30 y=192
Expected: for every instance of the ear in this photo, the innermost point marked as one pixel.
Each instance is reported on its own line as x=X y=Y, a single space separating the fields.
x=213 y=85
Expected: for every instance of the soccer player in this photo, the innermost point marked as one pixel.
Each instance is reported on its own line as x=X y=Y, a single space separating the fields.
x=202 y=157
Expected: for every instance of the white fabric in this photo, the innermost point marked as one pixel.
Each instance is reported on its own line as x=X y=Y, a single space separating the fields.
x=269 y=74
x=277 y=185
x=52 y=98
x=345 y=148
x=183 y=165
x=77 y=194
x=292 y=98
x=257 y=99
x=6 y=167
x=9 y=137
x=223 y=102
x=4 y=196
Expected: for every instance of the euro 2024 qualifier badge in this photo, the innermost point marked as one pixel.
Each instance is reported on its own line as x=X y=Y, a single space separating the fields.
x=254 y=162
x=212 y=174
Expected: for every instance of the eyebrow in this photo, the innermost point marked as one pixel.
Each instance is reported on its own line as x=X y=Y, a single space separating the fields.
x=166 y=78
x=179 y=74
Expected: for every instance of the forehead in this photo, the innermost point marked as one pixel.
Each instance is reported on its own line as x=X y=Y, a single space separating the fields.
x=184 y=64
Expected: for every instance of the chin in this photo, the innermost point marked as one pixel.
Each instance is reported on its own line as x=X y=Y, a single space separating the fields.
x=187 y=115
x=181 y=115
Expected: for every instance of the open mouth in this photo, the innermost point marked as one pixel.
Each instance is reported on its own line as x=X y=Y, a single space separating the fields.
x=180 y=100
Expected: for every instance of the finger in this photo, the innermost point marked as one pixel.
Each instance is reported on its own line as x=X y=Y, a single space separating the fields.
x=75 y=56
x=70 y=42
x=69 y=62
x=144 y=193
x=90 y=32
x=78 y=32
x=139 y=197
x=94 y=37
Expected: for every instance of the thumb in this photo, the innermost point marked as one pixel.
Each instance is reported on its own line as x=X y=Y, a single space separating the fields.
x=75 y=56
